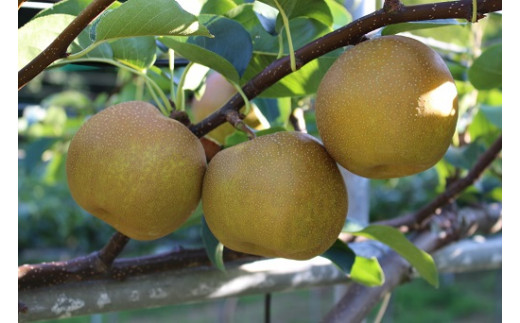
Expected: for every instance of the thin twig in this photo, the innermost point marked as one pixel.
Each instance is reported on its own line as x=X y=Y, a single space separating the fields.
x=383 y=308
x=418 y=219
x=58 y=48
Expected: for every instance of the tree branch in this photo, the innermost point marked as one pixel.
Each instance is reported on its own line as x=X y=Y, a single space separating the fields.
x=97 y=263
x=58 y=48
x=177 y=278
x=91 y=267
x=358 y=301
x=351 y=34
x=418 y=219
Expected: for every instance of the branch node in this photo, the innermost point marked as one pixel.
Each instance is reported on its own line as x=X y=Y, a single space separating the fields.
x=181 y=116
x=392 y=6
x=233 y=117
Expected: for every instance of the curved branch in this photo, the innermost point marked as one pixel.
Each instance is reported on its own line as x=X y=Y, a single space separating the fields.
x=351 y=34
x=58 y=48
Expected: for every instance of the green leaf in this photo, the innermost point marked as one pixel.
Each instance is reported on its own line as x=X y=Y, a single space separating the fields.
x=228 y=52
x=493 y=114
x=302 y=32
x=486 y=71
x=214 y=248
x=266 y=15
x=367 y=271
x=482 y=128
x=34 y=151
x=71 y=7
x=217 y=7
x=47 y=28
x=202 y=56
x=416 y=25
x=266 y=49
x=235 y=138
x=311 y=9
x=341 y=255
x=269 y=131
x=393 y=238
x=137 y=52
x=340 y=15
x=303 y=82
x=276 y=111
x=464 y=157
x=230 y=41
x=148 y=18
x=83 y=41
x=308 y=9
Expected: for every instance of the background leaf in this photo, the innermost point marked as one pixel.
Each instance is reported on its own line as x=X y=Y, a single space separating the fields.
x=214 y=248
x=393 y=238
x=493 y=114
x=464 y=157
x=486 y=71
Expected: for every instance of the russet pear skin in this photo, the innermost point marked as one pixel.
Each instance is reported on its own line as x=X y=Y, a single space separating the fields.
x=387 y=108
x=136 y=169
x=278 y=195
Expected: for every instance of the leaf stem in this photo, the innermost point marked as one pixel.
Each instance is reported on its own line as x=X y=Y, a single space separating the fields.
x=179 y=100
x=156 y=98
x=247 y=103
x=288 y=33
x=157 y=92
x=85 y=51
